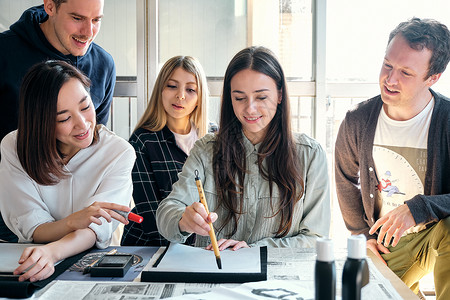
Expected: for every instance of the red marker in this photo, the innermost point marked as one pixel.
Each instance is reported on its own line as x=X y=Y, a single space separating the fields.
x=130 y=216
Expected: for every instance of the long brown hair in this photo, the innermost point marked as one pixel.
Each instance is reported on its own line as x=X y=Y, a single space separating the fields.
x=154 y=117
x=37 y=146
x=277 y=149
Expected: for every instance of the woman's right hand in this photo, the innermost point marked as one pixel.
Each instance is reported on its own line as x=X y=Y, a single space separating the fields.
x=196 y=220
x=91 y=214
x=36 y=263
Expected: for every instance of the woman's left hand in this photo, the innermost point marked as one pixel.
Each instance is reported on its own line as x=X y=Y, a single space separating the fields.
x=227 y=243
x=40 y=262
x=85 y=217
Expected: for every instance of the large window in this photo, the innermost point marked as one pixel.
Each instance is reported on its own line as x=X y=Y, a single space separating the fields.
x=215 y=30
x=357 y=35
x=211 y=30
x=118 y=35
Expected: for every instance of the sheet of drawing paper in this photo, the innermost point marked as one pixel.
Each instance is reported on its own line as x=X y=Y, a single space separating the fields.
x=182 y=258
x=10 y=254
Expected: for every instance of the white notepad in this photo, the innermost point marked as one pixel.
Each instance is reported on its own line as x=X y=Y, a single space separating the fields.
x=182 y=258
x=10 y=254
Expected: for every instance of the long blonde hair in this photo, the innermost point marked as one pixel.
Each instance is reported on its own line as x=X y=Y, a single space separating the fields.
x=154 y=117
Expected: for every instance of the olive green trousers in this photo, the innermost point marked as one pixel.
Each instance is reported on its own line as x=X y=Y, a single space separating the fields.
x=418 y=254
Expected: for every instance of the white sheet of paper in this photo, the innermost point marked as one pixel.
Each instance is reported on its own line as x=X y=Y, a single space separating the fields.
x=10 y=254
x=182 y=258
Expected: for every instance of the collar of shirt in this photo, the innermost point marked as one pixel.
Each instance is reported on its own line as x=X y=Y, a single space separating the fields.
x=249 y=147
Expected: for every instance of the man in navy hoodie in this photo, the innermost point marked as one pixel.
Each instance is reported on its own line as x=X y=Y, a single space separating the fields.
x=58 y=30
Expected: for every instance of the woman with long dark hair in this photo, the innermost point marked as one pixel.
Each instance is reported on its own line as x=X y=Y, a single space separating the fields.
x=265 y=184
x=61 y=174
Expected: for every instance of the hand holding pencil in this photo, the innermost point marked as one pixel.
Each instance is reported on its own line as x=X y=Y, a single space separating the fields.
x=212 y=234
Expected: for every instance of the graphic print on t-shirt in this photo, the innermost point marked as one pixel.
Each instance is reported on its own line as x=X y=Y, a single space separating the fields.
x=400 y=158
x=386 y=185
x=400 y=176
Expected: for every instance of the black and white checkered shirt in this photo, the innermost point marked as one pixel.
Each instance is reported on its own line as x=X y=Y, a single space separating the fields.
x=158 y=162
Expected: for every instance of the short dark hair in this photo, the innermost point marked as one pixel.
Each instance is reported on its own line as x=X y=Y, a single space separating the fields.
x=430 y=34
x=58 y=3
x=37 y=146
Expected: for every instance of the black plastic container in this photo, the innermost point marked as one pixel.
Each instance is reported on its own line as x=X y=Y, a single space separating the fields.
x=325 y=271
x=356 y=270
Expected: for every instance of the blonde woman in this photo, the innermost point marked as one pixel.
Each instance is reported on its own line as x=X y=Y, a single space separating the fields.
x=173 y=121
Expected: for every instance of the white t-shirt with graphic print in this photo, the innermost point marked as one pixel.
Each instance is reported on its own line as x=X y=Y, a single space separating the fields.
x=400 y=156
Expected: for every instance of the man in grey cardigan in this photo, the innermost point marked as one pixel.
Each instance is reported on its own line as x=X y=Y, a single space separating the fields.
x=393 y=159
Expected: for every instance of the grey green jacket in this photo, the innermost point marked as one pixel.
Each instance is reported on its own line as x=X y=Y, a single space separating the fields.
x=257 y=225
x=356 y=181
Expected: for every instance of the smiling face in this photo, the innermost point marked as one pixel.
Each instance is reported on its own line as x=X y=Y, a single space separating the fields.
x=179 y=98
x=255 y=98
x=75 y=119
x=73 y=26
x=403 y=83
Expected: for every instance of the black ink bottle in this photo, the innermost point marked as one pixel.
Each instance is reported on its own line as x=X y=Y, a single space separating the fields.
x=356 y=270
x=325 y=270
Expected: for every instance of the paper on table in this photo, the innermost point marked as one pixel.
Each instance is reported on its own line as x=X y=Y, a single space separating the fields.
x=271 y=289
x=10 y=254
x=182 y=258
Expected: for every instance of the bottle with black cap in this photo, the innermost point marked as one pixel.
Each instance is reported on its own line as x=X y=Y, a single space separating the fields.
x=325 y=270
x=356 y=270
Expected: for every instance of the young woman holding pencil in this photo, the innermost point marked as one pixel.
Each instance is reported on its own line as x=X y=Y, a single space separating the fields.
x=264 y=185
x=61 y=175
